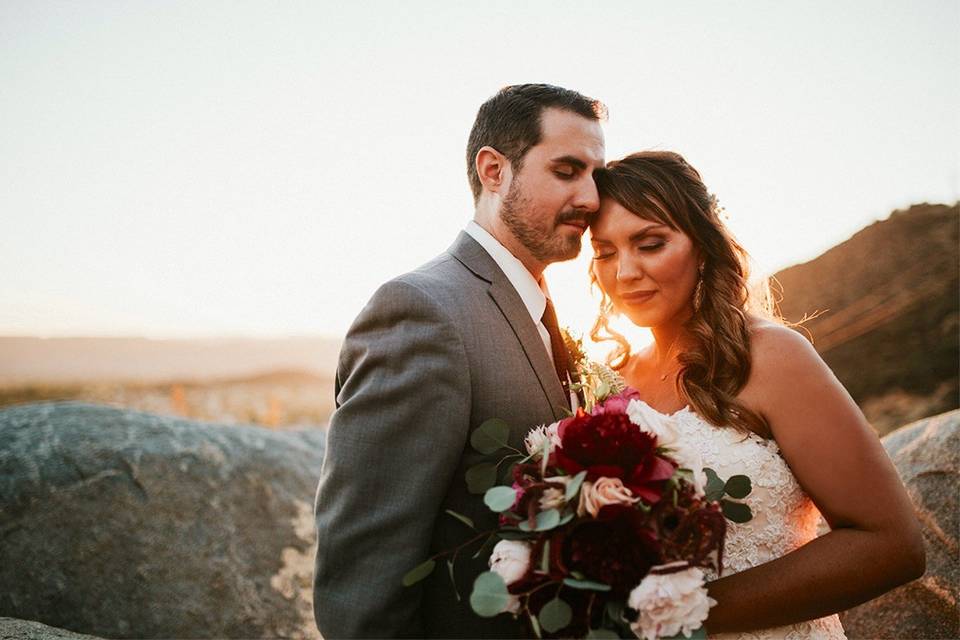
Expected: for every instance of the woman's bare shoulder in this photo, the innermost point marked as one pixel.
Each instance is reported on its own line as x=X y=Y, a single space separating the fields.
x=772 y=343
x=781 y=358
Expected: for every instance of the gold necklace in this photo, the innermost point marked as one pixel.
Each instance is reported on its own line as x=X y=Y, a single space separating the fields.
x=668 y=357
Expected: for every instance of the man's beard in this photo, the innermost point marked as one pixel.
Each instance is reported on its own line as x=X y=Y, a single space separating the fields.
x=543 y=242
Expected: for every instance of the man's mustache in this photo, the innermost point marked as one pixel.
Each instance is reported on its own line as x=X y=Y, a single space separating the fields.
x=575 y=216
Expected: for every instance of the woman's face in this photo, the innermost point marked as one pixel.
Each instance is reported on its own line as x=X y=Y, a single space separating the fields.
x=647 y=269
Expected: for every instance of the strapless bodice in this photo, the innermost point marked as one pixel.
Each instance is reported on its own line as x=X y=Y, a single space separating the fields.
x=784 y=517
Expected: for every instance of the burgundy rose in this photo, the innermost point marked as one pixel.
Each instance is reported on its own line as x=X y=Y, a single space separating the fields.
x=617 y=548
x=609 y=440
x=648 y=480
x=693 y=530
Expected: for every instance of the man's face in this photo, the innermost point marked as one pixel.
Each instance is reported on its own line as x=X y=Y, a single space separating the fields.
x=552 y=198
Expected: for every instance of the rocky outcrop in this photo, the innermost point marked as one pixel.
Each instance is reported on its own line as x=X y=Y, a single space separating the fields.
x=889 y=314
x=927 y=455
x=125 y=524
x=14 y=629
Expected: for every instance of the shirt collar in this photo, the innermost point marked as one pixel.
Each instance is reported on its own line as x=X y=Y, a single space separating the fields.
x=533 y=294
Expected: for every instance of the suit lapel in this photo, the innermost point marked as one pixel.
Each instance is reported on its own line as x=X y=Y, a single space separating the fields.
x=469 y=252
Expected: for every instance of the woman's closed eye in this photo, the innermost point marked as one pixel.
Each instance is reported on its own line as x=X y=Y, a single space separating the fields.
x=602 y=253
x=652 y=246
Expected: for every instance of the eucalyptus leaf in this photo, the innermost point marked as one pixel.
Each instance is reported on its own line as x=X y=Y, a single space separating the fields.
x=418 y=573
x=588 y=585
x=714 y=484
x=567 y=517
x=481 y=477
x=555 y=615
x=500 y=498
x=545 y=521
x=545 y=558
x=736 y=511
x=462 y=518
x=490 y=595
x=738 y=487
x=491 y=436
x=574 y=486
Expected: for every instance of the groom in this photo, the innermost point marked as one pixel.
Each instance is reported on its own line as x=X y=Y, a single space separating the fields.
x=469 y=336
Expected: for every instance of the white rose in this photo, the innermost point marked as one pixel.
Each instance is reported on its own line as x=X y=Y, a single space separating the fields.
x=535 y=439
x=510 y=560
x=653 y=422
x=669 y=604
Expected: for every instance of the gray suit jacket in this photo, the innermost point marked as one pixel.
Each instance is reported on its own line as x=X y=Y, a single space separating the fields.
x=435 y=352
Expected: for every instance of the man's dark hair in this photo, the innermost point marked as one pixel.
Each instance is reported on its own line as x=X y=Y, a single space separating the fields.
x=510 y=122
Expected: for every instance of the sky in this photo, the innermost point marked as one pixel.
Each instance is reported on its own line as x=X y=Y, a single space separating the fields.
x=226 y=169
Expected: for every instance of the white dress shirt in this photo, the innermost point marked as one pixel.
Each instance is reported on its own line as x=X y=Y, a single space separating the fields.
x=534 y=294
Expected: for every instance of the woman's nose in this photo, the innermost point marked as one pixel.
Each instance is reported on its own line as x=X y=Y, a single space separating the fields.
x=628 y=269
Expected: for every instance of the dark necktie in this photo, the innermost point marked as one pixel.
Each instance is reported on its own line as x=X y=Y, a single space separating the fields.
x=561 y=359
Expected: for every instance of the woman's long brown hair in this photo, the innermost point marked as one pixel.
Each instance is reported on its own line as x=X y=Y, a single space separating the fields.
x=661 y=186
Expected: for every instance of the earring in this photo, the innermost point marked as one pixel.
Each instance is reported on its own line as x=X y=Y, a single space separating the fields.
x=698 y=291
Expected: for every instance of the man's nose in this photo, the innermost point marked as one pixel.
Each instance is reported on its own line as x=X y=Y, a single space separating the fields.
x=587 y=199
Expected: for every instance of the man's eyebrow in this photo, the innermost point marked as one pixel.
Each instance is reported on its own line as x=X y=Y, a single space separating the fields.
x=571 y=160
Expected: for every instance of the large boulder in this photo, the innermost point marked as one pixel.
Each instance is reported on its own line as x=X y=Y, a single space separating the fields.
x=927 y=455
x=14 y=629
x=125 y=524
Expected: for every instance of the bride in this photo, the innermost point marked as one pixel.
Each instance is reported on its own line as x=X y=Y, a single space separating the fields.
x=754 y=398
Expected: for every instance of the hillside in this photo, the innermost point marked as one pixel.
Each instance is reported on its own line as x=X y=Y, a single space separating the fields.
x=277 y=383
x=888 y=318
x=73 y=360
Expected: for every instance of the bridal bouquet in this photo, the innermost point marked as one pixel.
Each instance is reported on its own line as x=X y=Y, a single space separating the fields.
x=606 y=525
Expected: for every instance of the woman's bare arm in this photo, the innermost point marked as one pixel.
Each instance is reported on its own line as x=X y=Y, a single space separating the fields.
x=875 y=542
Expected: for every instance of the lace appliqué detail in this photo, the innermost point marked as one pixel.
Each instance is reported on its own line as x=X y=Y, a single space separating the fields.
x=784 y=517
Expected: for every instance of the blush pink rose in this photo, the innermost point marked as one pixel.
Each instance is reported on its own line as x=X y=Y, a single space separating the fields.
x=603 y=492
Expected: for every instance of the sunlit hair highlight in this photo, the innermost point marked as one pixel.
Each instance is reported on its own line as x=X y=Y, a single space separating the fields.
x=714 y=367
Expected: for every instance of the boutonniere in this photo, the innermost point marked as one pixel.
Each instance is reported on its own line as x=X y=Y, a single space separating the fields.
x=595 y=381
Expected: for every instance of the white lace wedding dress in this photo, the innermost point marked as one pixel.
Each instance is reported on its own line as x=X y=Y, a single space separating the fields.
x=784 y=517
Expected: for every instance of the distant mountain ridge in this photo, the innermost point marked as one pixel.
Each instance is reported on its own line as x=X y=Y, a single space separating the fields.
x=67 y=360
x=889 y=304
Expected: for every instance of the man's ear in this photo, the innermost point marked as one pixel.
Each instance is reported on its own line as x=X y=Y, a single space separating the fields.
x=493 y=168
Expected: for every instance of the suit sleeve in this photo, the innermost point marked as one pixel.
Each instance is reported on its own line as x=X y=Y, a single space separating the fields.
x=393 y=445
